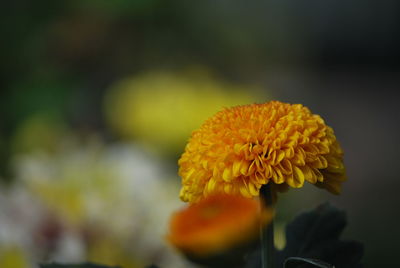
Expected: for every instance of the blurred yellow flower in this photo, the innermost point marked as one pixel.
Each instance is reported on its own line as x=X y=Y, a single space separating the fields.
x=240 y=149
x=217 y=223
x=160 y=109
x=13 y=257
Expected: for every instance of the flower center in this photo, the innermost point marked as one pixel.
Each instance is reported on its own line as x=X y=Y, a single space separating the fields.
x=210 y=212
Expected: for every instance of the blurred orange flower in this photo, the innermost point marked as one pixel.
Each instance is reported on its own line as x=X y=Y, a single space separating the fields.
x=217 y=223
x=240 y=149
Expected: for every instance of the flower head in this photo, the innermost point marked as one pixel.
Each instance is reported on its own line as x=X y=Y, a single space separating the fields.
x=240 y=149
x=217 y=223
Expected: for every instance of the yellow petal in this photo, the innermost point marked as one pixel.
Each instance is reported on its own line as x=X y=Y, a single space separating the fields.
x=319 y=175
x=281 y=155
x=268 y=172
x=334 y=163
x=244 y=167
x=298 y=177
x=227 y=174
x=237 y=148
x=277 y=176
x=252 y=167
x=211 y=185
x=260 y=164
x=273 y=157
x=259 y=178
x=244 y=191
x=323 y=161
x=290 y=181
x=308 y=174
x=189 y=174
x=323 y=148
x=204 y=164
x=286 y=167
x=215 y=171
x=299 y=158
x=289 y=152
x=252 y=189
x=236 y=168
x=228 y=188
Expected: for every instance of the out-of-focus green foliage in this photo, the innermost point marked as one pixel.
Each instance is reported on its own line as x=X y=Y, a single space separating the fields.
x=118 y=7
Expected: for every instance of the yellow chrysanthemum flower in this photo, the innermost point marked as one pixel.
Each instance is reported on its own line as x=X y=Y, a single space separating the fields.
x=240 y=149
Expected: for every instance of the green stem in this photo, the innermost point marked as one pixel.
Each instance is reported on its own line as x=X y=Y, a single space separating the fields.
x=267 y=232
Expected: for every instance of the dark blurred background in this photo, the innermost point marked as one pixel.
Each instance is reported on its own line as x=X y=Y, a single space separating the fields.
x=61 y=59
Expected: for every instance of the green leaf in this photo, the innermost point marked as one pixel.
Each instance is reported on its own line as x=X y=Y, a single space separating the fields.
x=81 y=265
x=293 y=262
x=316 y=235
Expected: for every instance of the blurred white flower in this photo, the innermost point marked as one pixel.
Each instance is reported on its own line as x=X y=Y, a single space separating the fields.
x=19 y=216
x=116 y=197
